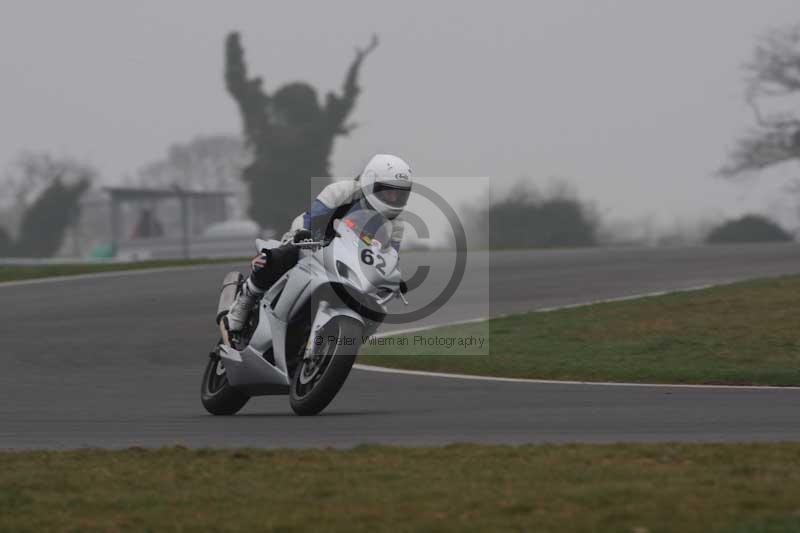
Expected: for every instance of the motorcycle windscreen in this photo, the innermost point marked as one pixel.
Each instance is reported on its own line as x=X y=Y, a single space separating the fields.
x=373 y=229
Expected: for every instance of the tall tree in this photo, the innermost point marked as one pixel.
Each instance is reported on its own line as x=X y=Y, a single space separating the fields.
x=290 y=134
x=44 y=223
x=773 y=91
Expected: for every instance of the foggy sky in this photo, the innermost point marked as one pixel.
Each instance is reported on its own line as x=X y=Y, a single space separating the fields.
x=635 y=102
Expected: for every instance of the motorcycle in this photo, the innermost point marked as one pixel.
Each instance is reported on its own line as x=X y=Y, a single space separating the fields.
x=302 y=337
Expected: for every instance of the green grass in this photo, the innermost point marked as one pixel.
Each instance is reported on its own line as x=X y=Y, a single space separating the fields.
x=745 y=333
x=658 y=487
x=16 y=273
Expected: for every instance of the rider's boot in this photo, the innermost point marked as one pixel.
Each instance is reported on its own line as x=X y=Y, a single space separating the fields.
x=240 y=308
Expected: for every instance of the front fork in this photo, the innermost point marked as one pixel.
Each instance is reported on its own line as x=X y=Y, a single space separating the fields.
x=322 y=317
x=325 y=313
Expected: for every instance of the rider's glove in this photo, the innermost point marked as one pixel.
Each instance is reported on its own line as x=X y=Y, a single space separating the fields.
x=403 y=287
x=302 y=235
x=260 y=261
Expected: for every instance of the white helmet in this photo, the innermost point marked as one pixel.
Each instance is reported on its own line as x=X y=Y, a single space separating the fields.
x=386 y=184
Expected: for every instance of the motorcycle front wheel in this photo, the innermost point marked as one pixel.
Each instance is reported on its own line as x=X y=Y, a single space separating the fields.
x=317 y=380
x=218 y=397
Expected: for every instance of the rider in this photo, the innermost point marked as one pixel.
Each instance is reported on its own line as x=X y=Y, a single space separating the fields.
x=383 y=186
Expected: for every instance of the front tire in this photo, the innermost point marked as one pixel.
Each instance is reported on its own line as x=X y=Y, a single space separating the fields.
x=316 y=382
x=218 y=397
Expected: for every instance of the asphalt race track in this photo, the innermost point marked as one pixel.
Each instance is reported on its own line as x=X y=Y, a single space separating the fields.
x=116 y=361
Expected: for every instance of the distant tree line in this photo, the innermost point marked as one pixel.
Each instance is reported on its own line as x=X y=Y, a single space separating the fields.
x=749 y=228
x=528 y=218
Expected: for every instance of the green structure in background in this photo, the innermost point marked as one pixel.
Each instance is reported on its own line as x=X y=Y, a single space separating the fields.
x=290 y=133
x=102 y=251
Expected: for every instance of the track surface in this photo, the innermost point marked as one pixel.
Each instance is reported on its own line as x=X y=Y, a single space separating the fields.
x=116 y=361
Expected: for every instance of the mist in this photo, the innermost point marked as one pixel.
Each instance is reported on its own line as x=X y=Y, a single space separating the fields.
x=635 y=104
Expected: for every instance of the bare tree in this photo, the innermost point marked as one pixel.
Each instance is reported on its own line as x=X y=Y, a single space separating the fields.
x=32 y=172
x=208 y=163
x=773 y=80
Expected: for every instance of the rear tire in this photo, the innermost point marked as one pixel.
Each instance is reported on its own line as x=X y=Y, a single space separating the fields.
x=314 y=385
x=218 y=397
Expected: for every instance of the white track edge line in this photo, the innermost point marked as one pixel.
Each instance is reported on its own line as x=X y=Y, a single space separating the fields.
x=370 y=368
x=423 y=373
x=548 y=309
x=109 y=274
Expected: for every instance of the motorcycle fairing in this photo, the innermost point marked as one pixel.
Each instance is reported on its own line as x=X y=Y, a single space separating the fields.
x=248 y=369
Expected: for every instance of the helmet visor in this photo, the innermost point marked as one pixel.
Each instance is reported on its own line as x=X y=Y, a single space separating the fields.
x=391 y=194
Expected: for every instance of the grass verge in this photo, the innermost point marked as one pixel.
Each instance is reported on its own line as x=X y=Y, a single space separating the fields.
x=745 y=333
x=16 y=273
x=658 y=487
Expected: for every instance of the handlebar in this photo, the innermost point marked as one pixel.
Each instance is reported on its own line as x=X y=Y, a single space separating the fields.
x=393 y=294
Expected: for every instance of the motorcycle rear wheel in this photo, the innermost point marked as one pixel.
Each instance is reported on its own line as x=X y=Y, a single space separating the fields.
x=218 y=397
x=315 y=383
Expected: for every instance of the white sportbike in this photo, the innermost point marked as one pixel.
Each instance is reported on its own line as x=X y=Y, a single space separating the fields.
x=303 y=338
